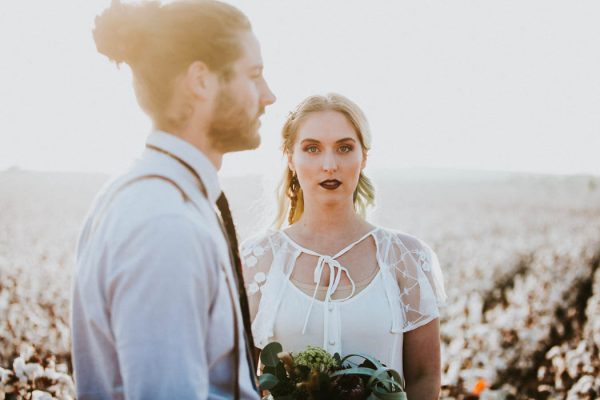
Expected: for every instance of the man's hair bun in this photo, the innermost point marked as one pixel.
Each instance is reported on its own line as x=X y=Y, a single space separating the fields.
x=160 y=42
x=121 y=31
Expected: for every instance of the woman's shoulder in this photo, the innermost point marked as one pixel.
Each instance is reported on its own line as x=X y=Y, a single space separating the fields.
x=261 y=243
x=399 y=239
x=260 y=238
x=416 y=266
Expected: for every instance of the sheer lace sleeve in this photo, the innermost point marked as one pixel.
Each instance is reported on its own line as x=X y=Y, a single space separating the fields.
x=420 y=281
x=257 y=256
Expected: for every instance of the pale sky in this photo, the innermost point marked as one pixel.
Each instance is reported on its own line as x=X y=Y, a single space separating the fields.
x=481 y=85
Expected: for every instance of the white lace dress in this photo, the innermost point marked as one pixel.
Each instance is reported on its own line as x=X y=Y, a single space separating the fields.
x=405 y=293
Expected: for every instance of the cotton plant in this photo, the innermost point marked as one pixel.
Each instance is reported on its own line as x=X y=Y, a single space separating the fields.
x=36 y=379
x=553 y=229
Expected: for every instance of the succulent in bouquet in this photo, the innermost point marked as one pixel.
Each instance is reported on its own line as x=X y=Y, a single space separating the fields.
x=314 y=374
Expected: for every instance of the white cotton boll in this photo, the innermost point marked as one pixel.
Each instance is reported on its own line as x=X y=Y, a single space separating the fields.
x=64 y=334
x=456 y=345
x=33 y=370
x=583 y=386
x=251 y=261
x=62 y=368
x=574 y=363
x=451 y=377
x=494 y=394
x=66 y=380
x=260 y=277
x=581 y=348
x=499 y=364
x=40 y=395
x=253 y=288
x=541 y=373
x=4 y=375
x=553 y=352
x=559 y=365
x=475 y=308
x=258 y=251
x=51 y=374
x=65 y=387
x=27 y=351
x=19 y=368
x=4 y=300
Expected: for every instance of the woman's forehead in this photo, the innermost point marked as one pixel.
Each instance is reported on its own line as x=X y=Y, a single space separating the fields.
x=326 y=126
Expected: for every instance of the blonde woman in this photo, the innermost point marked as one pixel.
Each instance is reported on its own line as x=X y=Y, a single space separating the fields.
x=332 y=279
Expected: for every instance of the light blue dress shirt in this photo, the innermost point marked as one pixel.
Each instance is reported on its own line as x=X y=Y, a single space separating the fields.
x=151 y=314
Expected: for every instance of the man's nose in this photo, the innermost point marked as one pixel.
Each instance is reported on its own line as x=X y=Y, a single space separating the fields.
x=267 y=97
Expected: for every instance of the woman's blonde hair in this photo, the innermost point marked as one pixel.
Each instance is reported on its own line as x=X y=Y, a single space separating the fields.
x=290 y=199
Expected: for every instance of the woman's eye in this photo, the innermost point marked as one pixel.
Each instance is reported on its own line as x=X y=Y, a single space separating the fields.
x=311 y=149
x=345 y=148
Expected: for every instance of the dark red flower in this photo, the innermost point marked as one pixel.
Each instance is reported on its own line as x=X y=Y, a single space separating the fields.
x=348 y=387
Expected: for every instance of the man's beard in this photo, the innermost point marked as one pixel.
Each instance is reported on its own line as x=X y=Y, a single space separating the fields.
x=232 y=128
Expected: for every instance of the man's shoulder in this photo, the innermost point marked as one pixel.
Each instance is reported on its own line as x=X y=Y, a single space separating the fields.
x=128 y=204
x=152 y=184
x=149 y=196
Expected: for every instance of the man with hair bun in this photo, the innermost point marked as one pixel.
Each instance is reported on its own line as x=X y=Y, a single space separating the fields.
x=159 y=309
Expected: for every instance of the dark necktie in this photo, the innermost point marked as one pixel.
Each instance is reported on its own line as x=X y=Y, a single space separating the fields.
x=223 y=206
x=229 y=229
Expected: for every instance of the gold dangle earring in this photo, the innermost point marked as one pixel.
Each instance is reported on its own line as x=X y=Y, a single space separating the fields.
x=293 y=195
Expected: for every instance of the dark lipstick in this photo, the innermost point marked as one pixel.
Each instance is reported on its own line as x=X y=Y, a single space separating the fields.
x=330 y=184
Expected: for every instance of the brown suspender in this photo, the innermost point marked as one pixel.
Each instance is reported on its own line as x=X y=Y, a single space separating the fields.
x=230 y=285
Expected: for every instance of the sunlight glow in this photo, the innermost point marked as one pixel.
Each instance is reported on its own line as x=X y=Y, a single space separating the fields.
x=471 y=85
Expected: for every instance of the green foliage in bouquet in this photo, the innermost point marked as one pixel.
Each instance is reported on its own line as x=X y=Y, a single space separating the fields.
x=314 y=374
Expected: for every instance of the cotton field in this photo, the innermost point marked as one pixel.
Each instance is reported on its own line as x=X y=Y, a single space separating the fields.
x=520 y=256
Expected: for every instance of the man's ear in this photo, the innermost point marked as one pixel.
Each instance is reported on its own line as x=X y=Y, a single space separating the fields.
x=202 y=82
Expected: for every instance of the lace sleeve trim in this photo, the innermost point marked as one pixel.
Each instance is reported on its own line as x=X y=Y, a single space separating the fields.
x=414 y=281
x=252 y=250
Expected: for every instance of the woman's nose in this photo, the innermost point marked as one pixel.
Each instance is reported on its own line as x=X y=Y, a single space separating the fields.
x=329 y=162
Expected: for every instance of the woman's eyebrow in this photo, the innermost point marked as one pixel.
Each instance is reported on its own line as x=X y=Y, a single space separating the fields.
x=337 y=141
x=310 y=140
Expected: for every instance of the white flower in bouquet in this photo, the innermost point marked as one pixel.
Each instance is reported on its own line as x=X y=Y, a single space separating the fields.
x=316 y=359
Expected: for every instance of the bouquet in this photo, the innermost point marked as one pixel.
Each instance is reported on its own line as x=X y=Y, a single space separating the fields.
x=314 y=374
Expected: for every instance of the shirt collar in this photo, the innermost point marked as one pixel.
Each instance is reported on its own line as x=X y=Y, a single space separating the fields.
x=191 y=155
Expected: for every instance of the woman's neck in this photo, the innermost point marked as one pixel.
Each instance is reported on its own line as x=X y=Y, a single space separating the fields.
x=329 y=222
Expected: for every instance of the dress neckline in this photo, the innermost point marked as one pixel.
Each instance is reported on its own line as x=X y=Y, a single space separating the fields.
x=351 y=300
x=338 y=254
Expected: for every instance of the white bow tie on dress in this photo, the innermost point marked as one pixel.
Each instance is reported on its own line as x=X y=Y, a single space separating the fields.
x=335 y=274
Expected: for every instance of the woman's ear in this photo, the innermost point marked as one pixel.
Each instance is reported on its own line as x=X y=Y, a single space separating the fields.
x=364 y=161
x=202 y=82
